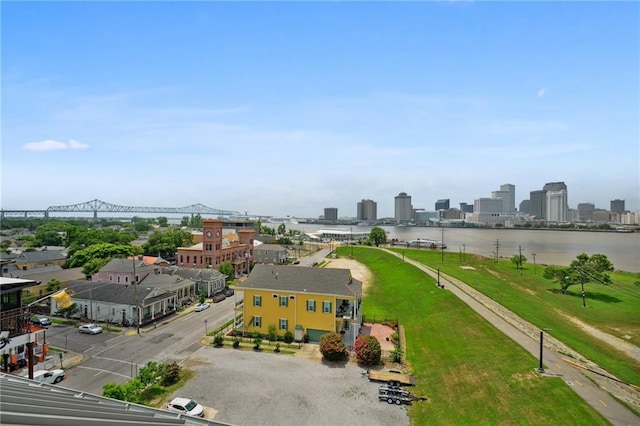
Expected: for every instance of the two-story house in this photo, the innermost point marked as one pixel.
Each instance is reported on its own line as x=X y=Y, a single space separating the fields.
x=304 y=301
x=270 y=253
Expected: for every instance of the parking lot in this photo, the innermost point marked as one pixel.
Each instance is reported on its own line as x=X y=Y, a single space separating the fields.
x=250 y=388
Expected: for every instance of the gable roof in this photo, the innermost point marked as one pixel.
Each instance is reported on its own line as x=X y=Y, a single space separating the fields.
x=114 y=293
x=126 y=265
x=269 y=247
x=41 y=256
x=332 y=281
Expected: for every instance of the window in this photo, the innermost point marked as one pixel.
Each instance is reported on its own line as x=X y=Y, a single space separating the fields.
x=326 y=307
x=284 y=301
x=257 y=300
x=311 y=305
x=118 y=278
x=257 y=322
x=284 y=324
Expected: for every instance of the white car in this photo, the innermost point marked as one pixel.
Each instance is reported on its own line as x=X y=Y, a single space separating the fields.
x=48 y=376
x=90 y=329
x=186 y=406
x=201 y=307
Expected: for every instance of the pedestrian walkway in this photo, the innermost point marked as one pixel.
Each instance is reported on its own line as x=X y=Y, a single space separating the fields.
x=588 y=380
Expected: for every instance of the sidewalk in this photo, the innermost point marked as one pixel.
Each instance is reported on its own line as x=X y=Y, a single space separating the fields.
x=595 y=389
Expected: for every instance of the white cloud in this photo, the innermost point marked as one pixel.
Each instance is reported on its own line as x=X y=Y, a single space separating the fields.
x=51 y=145
x=542 y=92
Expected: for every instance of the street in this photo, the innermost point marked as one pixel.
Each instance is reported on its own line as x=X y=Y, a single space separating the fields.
x=117 y=357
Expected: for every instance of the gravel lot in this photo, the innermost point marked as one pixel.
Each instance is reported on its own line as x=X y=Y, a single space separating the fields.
x=247 y=388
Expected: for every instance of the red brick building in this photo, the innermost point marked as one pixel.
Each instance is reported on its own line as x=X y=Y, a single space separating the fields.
x=219 y=246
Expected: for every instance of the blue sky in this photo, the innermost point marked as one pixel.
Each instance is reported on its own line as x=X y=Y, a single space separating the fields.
x=285 y=108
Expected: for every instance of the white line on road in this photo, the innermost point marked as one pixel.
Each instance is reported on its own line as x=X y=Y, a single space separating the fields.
x=103 y=371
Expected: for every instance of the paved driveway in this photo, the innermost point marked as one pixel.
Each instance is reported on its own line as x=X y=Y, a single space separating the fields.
x=249 y=388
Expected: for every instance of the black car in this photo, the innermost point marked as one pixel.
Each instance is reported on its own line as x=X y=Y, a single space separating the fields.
x=228 y=292
x=41 y=321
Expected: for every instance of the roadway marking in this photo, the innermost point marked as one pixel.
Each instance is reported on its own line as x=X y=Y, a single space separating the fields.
x=603 y=403
x=104 y=371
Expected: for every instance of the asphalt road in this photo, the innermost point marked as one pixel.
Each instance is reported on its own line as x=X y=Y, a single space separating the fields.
x=117 y=357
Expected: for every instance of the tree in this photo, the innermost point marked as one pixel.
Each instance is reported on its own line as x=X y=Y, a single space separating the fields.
x=170 y=374
x=272 y=335
x=518 y=260
x=583 y=270
x=368 y=350
x=227 y=269
x=94 y=265
x=184 y=221
x=166 y=242
x=332 y=347
x=102 y=251
x=162 y=221
x=53 y=284
x=288 y=337
x=282 y=229
x=378 y=236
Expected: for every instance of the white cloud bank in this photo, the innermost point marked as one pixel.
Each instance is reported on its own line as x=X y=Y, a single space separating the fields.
x=51 y=145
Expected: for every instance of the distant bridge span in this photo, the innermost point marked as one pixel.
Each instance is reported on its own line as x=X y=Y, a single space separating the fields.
x=98 y=206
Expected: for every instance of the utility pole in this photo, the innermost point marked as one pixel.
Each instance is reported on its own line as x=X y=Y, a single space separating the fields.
x=135 y=291
x=497 y=247
x=464 y=249
x=442 y=245
x=534 y=262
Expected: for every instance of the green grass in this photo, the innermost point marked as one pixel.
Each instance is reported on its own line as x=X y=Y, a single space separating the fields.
x=469 y=371
x=613 y=309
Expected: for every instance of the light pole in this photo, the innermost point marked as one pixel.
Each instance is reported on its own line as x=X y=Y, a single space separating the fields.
x=534 y=262
x=205 y=327
x=135 y=291
x=540 y=367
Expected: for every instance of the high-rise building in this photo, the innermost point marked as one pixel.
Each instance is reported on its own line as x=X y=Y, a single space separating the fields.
x=585 y=212
x=525 y=206
x=538 y=204
x=488 y=206
x=331 y=213
x=557 y=210
x=617 y=206
x=403 y=208
x=442 y=204
x=466 y=208
x=367 y=211
x=510 y=198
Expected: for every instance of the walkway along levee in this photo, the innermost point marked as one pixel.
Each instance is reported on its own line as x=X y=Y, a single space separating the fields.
x=587 y=379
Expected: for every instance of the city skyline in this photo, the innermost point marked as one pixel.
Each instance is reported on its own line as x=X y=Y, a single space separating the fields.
x=289 y=108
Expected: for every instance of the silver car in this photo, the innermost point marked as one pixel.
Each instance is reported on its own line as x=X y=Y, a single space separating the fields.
x=90 y=329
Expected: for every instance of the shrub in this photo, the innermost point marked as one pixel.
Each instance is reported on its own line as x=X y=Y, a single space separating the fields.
x=218 y=340
x=272 y=335
x=288 y=337
x=257 y=341
x=170 y=374
x=236 y=342
x=368 y=350
x=396 y=354
x=394 y=337
x=332 y=347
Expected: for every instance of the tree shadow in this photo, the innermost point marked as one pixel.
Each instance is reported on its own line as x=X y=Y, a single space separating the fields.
x=601 y=297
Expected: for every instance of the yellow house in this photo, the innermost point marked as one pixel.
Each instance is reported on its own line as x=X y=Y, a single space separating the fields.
x=302 y=300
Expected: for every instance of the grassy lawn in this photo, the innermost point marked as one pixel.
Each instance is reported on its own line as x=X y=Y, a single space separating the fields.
x=612 y=309
x=471 y=373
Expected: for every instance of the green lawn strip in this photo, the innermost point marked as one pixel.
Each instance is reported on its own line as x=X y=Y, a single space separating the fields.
x=469 y=371
x=614 y=309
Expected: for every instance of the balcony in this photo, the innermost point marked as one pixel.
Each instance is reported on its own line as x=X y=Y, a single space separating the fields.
x=15 y=321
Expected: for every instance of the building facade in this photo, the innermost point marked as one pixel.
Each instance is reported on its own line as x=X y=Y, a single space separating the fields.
x=219 y=246
x=300 y=300
x=557 y=209
x=442 y=204
x=367 y=211
x=617 y=206
x=403 y=208
x=331 y=214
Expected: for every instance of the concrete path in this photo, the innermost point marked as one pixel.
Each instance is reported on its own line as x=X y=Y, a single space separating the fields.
x=580 y=374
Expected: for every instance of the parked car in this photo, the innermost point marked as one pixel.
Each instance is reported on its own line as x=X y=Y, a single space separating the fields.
x=49 y=376
x=219 y=297
x=201 y=307
x=228 y=292
x=90 y=329
x=41 y=321
x=186 y=406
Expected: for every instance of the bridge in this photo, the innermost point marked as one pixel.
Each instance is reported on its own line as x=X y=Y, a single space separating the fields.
x=97 y=206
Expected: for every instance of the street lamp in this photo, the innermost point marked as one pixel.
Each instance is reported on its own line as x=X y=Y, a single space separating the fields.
x=540 y=367
x=205 y=327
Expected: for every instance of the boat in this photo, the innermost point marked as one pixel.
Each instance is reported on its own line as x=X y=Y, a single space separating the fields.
x=282 y=220
x=426 y=243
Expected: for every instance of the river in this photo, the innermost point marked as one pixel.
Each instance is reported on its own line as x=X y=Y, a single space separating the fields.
x=551 y=247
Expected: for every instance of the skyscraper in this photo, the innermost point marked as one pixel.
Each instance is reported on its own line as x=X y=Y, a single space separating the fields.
x=557 y=210
x=510 y=199
x=617 y=206
x=442 y=204
x=403 y=208
x=331 y=213
x=367 y=211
